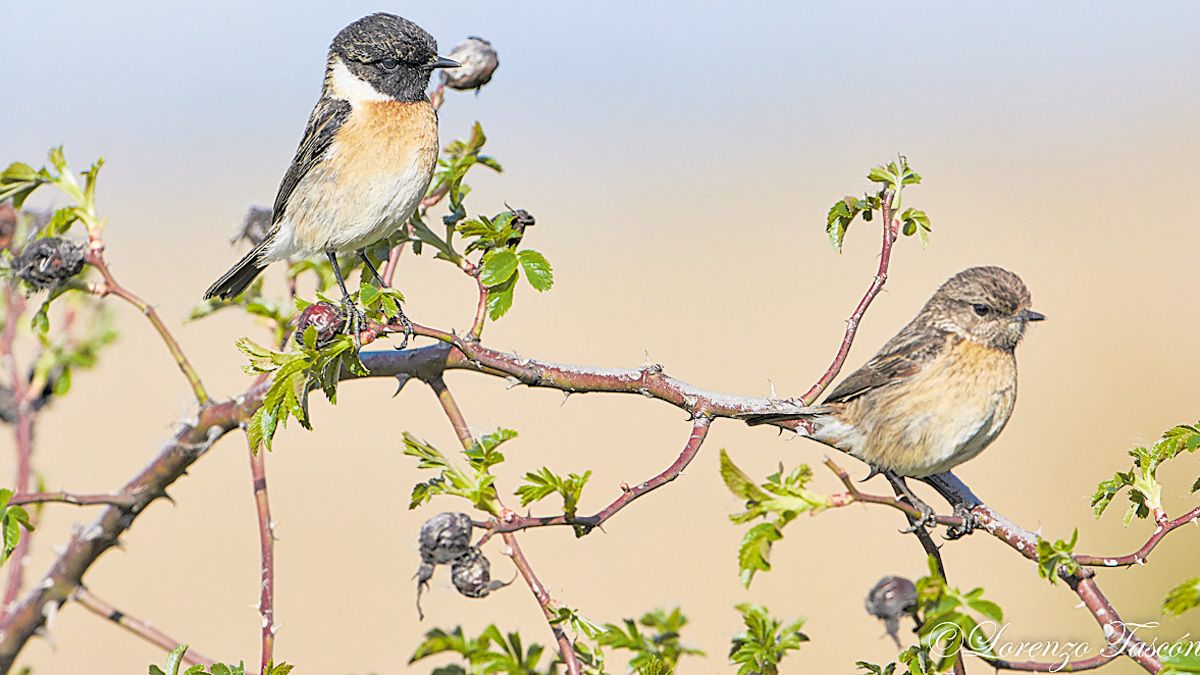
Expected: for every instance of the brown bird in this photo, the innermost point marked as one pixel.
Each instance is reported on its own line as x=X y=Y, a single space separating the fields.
x=937 y=393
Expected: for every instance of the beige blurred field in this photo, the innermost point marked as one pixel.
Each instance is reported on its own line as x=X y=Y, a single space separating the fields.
x=700 y=244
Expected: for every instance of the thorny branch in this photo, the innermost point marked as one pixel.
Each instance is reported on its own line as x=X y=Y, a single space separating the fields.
x=266 y=543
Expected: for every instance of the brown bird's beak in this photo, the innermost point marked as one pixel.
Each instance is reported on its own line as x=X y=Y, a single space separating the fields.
x=443 y=62
x=1030 y=315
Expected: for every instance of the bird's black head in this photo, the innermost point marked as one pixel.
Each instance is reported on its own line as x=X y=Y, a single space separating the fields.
x=392 y=55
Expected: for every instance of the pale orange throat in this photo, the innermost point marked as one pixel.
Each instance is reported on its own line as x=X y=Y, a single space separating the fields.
x=388 y=136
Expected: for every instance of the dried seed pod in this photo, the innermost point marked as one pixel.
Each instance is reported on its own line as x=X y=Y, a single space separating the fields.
x=445 y=537
x=256 y=226
x=891 y=598
x=326 y=318
x=472 y=574
x=479 y=60
x=521 y=220
x=48 y=262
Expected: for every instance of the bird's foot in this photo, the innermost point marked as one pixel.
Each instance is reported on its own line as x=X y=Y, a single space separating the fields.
x=405 y=323
x=968 y=522
x=355 y=319
x=927 y=519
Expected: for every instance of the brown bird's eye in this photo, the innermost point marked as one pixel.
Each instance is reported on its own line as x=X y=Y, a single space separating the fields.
x=981 y=309
x=389 y=64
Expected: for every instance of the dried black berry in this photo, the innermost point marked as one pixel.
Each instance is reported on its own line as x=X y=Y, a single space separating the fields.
x=890 y=599
x=472 y=574
x=479 y=60
x=48 y=262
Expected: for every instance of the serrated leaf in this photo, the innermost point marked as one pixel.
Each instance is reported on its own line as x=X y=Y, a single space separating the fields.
x=498 y=267
x=755 y=550
x=537 y=269
x=1184 y=597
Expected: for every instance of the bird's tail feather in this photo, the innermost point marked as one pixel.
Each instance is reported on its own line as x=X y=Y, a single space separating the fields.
x=800 y=413
x=238 y=277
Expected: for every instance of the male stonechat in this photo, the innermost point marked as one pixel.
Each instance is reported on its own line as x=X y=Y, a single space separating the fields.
x=937 y=393
x=366 y=158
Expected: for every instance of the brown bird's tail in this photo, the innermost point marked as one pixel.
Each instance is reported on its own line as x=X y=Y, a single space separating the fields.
x=238 y=277
x=800 y=413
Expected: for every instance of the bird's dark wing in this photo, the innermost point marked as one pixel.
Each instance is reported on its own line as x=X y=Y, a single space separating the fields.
x=902 y=357
x=327 y=117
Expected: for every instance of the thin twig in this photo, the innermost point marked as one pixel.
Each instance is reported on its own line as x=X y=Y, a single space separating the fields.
x=461 y=429
x=23 y=437
x=62 y=497
x=1053 y=667
x=1139 y=556
x=95 y=258
x=890 y=230
x=266 y=544
x=513 y=522
x=136 y=626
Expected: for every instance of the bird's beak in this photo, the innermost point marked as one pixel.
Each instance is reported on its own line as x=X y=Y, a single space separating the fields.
x=443 y=62
x=1030 y=315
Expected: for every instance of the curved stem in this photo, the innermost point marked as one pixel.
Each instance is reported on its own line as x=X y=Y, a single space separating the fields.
x=95 y=258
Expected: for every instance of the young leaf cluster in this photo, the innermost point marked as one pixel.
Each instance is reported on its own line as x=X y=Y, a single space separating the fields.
x=764 y=643
x=502 y=263
x=174 y=666
x=779 y=500
x=491 y=652
x=475 y=484
x=296 y=372
x=12 y=520
x=892 y=178
x=659 y=648
x=18 y=181
x=542 y=483
x=1145 y=492
x=1057 y=556
x=947 y=617
x=915 y=659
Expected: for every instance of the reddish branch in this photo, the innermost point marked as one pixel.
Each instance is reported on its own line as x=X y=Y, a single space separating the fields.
x=890 y=231
x=23 y=436
x=136 y=626
x=1138 y=557
x=266 y=544
x=69 y=498
x=511 y=522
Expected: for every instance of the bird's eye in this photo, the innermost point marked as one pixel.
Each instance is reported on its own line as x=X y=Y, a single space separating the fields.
x=389 y=64
x=981 y=309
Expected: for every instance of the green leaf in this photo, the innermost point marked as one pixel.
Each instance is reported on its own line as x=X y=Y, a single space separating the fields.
x=755 y=549
x=537 y=270
x=1053 y=557
x=500 y=299
x=1183 y=597
x=498 y=267
x=738 y=482
x=764 y=643
x=1185 y=662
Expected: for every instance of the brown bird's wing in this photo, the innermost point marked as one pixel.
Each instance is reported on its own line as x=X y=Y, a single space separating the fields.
x=327 y=117
x=903 y=356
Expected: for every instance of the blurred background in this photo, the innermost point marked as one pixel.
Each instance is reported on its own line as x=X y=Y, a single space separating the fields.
x=680 y=159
